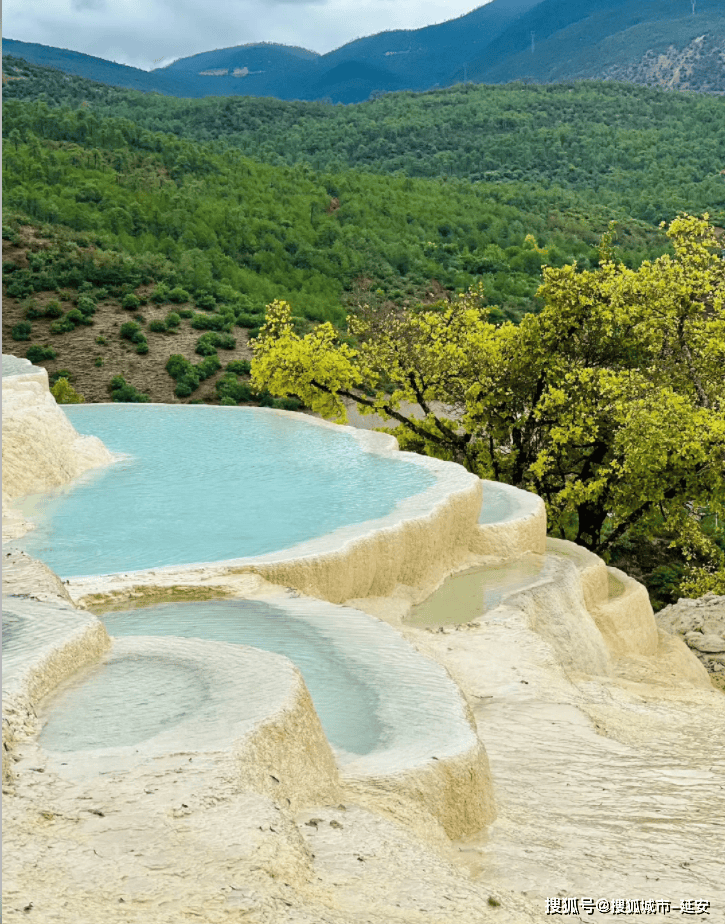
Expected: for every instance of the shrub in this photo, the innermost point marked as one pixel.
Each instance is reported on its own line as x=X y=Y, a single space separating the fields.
x=86 y=306
x=225 y=341
x=209 y=322
x=185 y=313
x=160 y=294
x=21 y=331
x=60 y=374
x=253 y=333
x=10 y=234
x=32 y=312
x=85 y=287
x=158 y=327
x=205 y=300
x=131 y=301
x=227 y=400
x=178 y=295
x=205 y=347
x=231 y=390
x=101 y=341
x=9 y=267
x=98 y=362
x=249 y=320
x=20 y=286
x=132 y=331
x=101 y=294
x=76 y=317
x=239 y=366
x=184 y=389
x=208 y=367
x=121 y=390
x=62 y=326
x=64 y=393
x=53 y=309
x=178 y=366
x=38 y=354
x=143 y=347
x=288 y=404
x=172 y=320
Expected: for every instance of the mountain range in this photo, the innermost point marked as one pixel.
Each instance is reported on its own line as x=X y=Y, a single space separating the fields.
x=678 y=44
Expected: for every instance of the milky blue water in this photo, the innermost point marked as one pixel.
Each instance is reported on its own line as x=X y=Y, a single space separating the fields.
x=345 y=703
x=202 y=484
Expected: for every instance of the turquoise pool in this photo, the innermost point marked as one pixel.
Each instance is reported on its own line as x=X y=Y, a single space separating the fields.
x=205 y=484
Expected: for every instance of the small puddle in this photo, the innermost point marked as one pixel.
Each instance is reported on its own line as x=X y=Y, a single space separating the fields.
x=466 y=596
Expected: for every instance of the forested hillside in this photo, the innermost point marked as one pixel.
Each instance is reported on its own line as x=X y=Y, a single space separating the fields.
x=629 y=150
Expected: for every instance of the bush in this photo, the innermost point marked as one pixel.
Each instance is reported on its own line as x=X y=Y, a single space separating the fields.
x=253 y=333
x=38 y=354
x=239 y=366
x=209 y=322
x=185 y=313
x=288 y=404
x=101 y=341
x=205 y=300
x=60 y=374
x=121 y=390
x=63 y=326
x=184 y=389
x=178 y=295
x=21 y=331
x=86 y=306
x=53 y=309
x=249 y=320
x=208 y=367
x=158 y=327
x=143 y=347
x=227 y=400
x=98 y=362
x=32 y=312
x=160 y=294
x=64 y=393
x=172 y=320
x=131 y=301
x=76 y=317
x=132 y=331
x=231 y=390
x=205 y=347
x=101 y=294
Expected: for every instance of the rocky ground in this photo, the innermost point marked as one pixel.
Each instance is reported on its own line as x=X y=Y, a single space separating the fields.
x=701 y=624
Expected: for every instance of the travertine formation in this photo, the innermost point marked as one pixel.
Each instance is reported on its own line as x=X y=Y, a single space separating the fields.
x=604 y=736
x=41 y=449
x=701 y=624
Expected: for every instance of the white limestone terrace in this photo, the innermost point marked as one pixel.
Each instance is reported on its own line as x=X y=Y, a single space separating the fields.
x=41 y=449
x=424 y=534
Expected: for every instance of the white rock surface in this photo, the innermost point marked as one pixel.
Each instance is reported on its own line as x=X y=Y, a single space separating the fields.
x=701 y=624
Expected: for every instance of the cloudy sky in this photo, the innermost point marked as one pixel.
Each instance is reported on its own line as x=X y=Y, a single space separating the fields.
x=151 y=33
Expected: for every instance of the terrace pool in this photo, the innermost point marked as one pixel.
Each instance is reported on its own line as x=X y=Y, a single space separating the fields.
x=203 y=484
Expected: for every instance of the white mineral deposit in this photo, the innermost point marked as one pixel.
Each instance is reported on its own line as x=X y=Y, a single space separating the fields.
x=535 y=741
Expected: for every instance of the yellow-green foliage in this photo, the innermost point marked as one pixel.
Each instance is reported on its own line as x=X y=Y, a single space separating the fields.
x=64 y=393
x=610 y=403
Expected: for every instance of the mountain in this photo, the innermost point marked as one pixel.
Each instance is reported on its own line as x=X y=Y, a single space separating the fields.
x=656 y=42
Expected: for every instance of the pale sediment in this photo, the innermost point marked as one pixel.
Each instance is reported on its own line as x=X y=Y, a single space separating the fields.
x=522 y=529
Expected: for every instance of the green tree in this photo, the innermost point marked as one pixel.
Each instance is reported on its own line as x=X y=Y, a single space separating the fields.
x=609 y=404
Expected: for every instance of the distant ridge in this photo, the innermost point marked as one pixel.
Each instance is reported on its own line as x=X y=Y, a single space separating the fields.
x=654 y=42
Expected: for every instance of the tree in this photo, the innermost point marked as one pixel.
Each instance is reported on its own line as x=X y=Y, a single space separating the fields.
x=609 y=404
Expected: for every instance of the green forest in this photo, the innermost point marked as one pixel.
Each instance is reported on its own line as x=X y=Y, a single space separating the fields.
x=144 y=236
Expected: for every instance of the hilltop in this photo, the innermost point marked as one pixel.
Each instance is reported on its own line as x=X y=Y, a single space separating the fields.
x=675 y=44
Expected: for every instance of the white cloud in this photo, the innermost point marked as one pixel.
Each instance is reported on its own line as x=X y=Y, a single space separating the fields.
x=151 y=33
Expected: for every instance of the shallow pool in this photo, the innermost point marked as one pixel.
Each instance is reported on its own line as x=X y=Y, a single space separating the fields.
x=203 y=484
x=464 y=597
x=344 y=700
